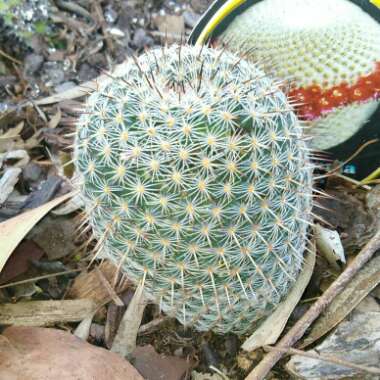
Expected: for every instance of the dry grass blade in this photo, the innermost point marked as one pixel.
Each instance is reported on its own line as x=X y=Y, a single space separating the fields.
x=271 y=329
x=125 y=340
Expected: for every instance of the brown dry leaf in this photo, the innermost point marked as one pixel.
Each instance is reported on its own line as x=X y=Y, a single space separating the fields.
x=362 y=284
x=40 y=353
x=11 y=137
x=44 y=313
x=271 y=329
x=13 y=230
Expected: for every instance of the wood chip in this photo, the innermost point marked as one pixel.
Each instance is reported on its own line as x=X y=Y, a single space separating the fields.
x=89 y=285
x=43 y=313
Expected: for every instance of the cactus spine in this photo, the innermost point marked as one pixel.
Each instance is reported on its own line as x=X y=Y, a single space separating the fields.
x=197 y=183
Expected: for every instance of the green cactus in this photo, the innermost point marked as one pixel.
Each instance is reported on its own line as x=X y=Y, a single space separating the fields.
x=197 y=183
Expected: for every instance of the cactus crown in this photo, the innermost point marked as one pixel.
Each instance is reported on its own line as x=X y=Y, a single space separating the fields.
x=196 y=181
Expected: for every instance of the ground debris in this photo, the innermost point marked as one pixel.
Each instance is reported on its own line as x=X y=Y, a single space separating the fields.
x=41 y=353
x=154 y=366
x=44 y=313
x=355 y=341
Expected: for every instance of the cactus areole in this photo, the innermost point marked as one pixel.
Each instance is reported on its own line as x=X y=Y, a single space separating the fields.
x=197 y=184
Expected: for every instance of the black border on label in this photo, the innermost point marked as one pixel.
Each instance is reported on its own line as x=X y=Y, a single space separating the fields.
x=369 y=159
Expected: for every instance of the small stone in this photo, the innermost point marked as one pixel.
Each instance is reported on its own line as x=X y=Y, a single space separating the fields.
x=141 y=39
x=54 y=74
x=32 y=172
x=355 y=340
x=190 y=18
x=232 y=345
x=64 y=86
x=110 y=15
x=86 y=72
x=199 y=5
x=55 y=236
x=33 y=63
x=210 y=356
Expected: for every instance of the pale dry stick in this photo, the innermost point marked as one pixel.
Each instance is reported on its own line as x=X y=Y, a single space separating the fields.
x=297 y=331
x=34 y=279
x=152 y=325
x=14 y=60
x=325 y=358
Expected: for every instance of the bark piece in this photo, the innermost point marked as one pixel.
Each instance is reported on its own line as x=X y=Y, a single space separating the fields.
x=89 y=285
x=43 y=313
x=355 y=341
x=345 y=302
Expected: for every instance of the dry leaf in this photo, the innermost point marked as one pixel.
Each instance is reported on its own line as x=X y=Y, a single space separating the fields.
x=125 y=340
x=74 y=204
x=13 y=230
x=273 y=326
x=54 y=121
x=82 y=331
x=329 y=244
x=11 y=138
x=154 y=366
x=361 y=285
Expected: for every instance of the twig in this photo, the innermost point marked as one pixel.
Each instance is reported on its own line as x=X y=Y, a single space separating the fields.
x=14 y=60
x=34 y=279
x=355 y=154
x=75 y=8
x=297 y=331
x=103 y=25
x=152 y=325
x=325 y=358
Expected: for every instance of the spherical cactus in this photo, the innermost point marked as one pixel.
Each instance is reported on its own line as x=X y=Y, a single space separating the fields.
x=197 y=183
